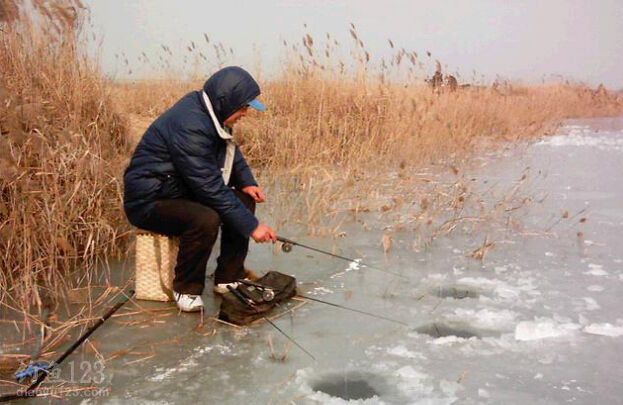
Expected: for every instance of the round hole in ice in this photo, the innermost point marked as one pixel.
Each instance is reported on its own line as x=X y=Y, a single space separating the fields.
x=350 y=385
x=456 y=292
x=438 y=330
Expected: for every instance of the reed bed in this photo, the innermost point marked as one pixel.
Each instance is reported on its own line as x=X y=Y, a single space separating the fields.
x=62 y=148
x=338 y=123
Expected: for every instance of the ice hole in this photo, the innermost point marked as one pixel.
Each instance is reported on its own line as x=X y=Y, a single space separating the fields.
x=456 y=292
x=438 y=330
x=346 y=386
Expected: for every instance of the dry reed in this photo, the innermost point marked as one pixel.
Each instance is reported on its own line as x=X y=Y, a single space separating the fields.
x=61 y=151
x=336 y=129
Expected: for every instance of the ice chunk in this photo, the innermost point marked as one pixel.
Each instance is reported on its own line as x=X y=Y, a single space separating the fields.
x=536 y=330
x=581 y=138
x=499 y=288
x=448 y=340
x=591 y=304
x=354 y=265
x=596 y=270
x=604 y=329
x=320 y=291
x=500 y=269
x=483 y=393
x=487 y=318
x=409 y=373
x=402 y=351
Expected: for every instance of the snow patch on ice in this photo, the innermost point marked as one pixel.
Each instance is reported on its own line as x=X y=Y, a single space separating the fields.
x=352 y=266
x=447 y=340
x=604 y=329
x=500 y=269
x=500 y=288
x=581 y=138
x=402 y=351
x=221 y=349
x=596 y=270
x=595 y=288
x=415 y=383
x=487 y=318
x=591 y=304
x=187 y=363
x=323 y=398
x=161 y=376
x=543 y=329
x=410 y=373
x=320 y=291
x=437 y=276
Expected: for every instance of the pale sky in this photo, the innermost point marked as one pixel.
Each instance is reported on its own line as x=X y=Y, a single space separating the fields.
x=519 y=40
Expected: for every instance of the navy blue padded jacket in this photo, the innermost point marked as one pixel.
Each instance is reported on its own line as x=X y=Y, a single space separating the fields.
x=181 y=155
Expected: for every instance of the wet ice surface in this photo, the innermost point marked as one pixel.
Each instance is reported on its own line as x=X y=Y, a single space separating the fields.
x=537 y=321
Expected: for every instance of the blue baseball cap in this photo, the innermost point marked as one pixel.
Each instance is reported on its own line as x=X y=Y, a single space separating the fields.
x=257 y=104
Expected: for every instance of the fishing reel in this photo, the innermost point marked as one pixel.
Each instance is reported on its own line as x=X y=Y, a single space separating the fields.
x=268 y=295
x=286 y=247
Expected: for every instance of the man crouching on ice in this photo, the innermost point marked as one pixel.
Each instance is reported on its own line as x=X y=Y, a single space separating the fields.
x=187 y=178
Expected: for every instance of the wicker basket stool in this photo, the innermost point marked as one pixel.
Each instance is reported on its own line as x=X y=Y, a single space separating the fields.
x=156 y=256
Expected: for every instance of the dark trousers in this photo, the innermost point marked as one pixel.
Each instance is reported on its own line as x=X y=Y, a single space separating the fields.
x=197 y=227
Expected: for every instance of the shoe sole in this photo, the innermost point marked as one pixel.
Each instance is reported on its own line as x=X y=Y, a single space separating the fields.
x=222 y=289
x=198 y=309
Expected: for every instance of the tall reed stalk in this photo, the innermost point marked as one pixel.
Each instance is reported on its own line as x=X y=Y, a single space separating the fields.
x=333 y=121
x=61 y=152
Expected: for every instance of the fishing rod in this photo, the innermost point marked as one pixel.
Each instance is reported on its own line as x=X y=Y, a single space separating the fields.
x=30 y=392
x=268 y=294
x=249 y=303
x=288 y=243
x=35 y=367
x=351 y=309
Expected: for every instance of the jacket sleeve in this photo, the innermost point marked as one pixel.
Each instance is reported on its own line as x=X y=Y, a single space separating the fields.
x=190 y=152
x=241 y=172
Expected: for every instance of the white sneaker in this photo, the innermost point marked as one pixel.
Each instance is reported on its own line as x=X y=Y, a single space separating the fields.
x=188 y=303
x=222 y=288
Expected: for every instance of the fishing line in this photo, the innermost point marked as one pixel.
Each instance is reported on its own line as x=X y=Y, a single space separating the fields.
x=288 y=243
x=248 y=303
x=351 y=309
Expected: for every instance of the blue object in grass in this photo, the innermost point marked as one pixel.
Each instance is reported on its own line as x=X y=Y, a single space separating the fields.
x=31 y=371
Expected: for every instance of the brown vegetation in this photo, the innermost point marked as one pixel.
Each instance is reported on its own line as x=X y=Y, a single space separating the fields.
x=63 y=145
x=61 y=150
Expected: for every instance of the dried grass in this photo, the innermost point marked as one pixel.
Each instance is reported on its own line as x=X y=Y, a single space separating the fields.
x=338 y=134
x=62 y=149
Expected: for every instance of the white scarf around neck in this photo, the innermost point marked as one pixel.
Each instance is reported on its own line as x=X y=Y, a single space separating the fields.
x=223 y=134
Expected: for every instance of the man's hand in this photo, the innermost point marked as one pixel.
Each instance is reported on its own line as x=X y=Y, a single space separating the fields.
x=264 y=233
x=255 y=192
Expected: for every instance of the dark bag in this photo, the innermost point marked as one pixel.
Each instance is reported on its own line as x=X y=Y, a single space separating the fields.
x=234 y=310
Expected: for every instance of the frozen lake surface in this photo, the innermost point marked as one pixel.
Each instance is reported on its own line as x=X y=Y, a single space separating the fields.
x=537 y=321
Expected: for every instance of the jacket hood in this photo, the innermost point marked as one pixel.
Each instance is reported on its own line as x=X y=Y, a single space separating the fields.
x=229 y=90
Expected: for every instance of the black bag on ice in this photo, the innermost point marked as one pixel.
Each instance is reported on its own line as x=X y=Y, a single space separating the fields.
x=256 y=300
